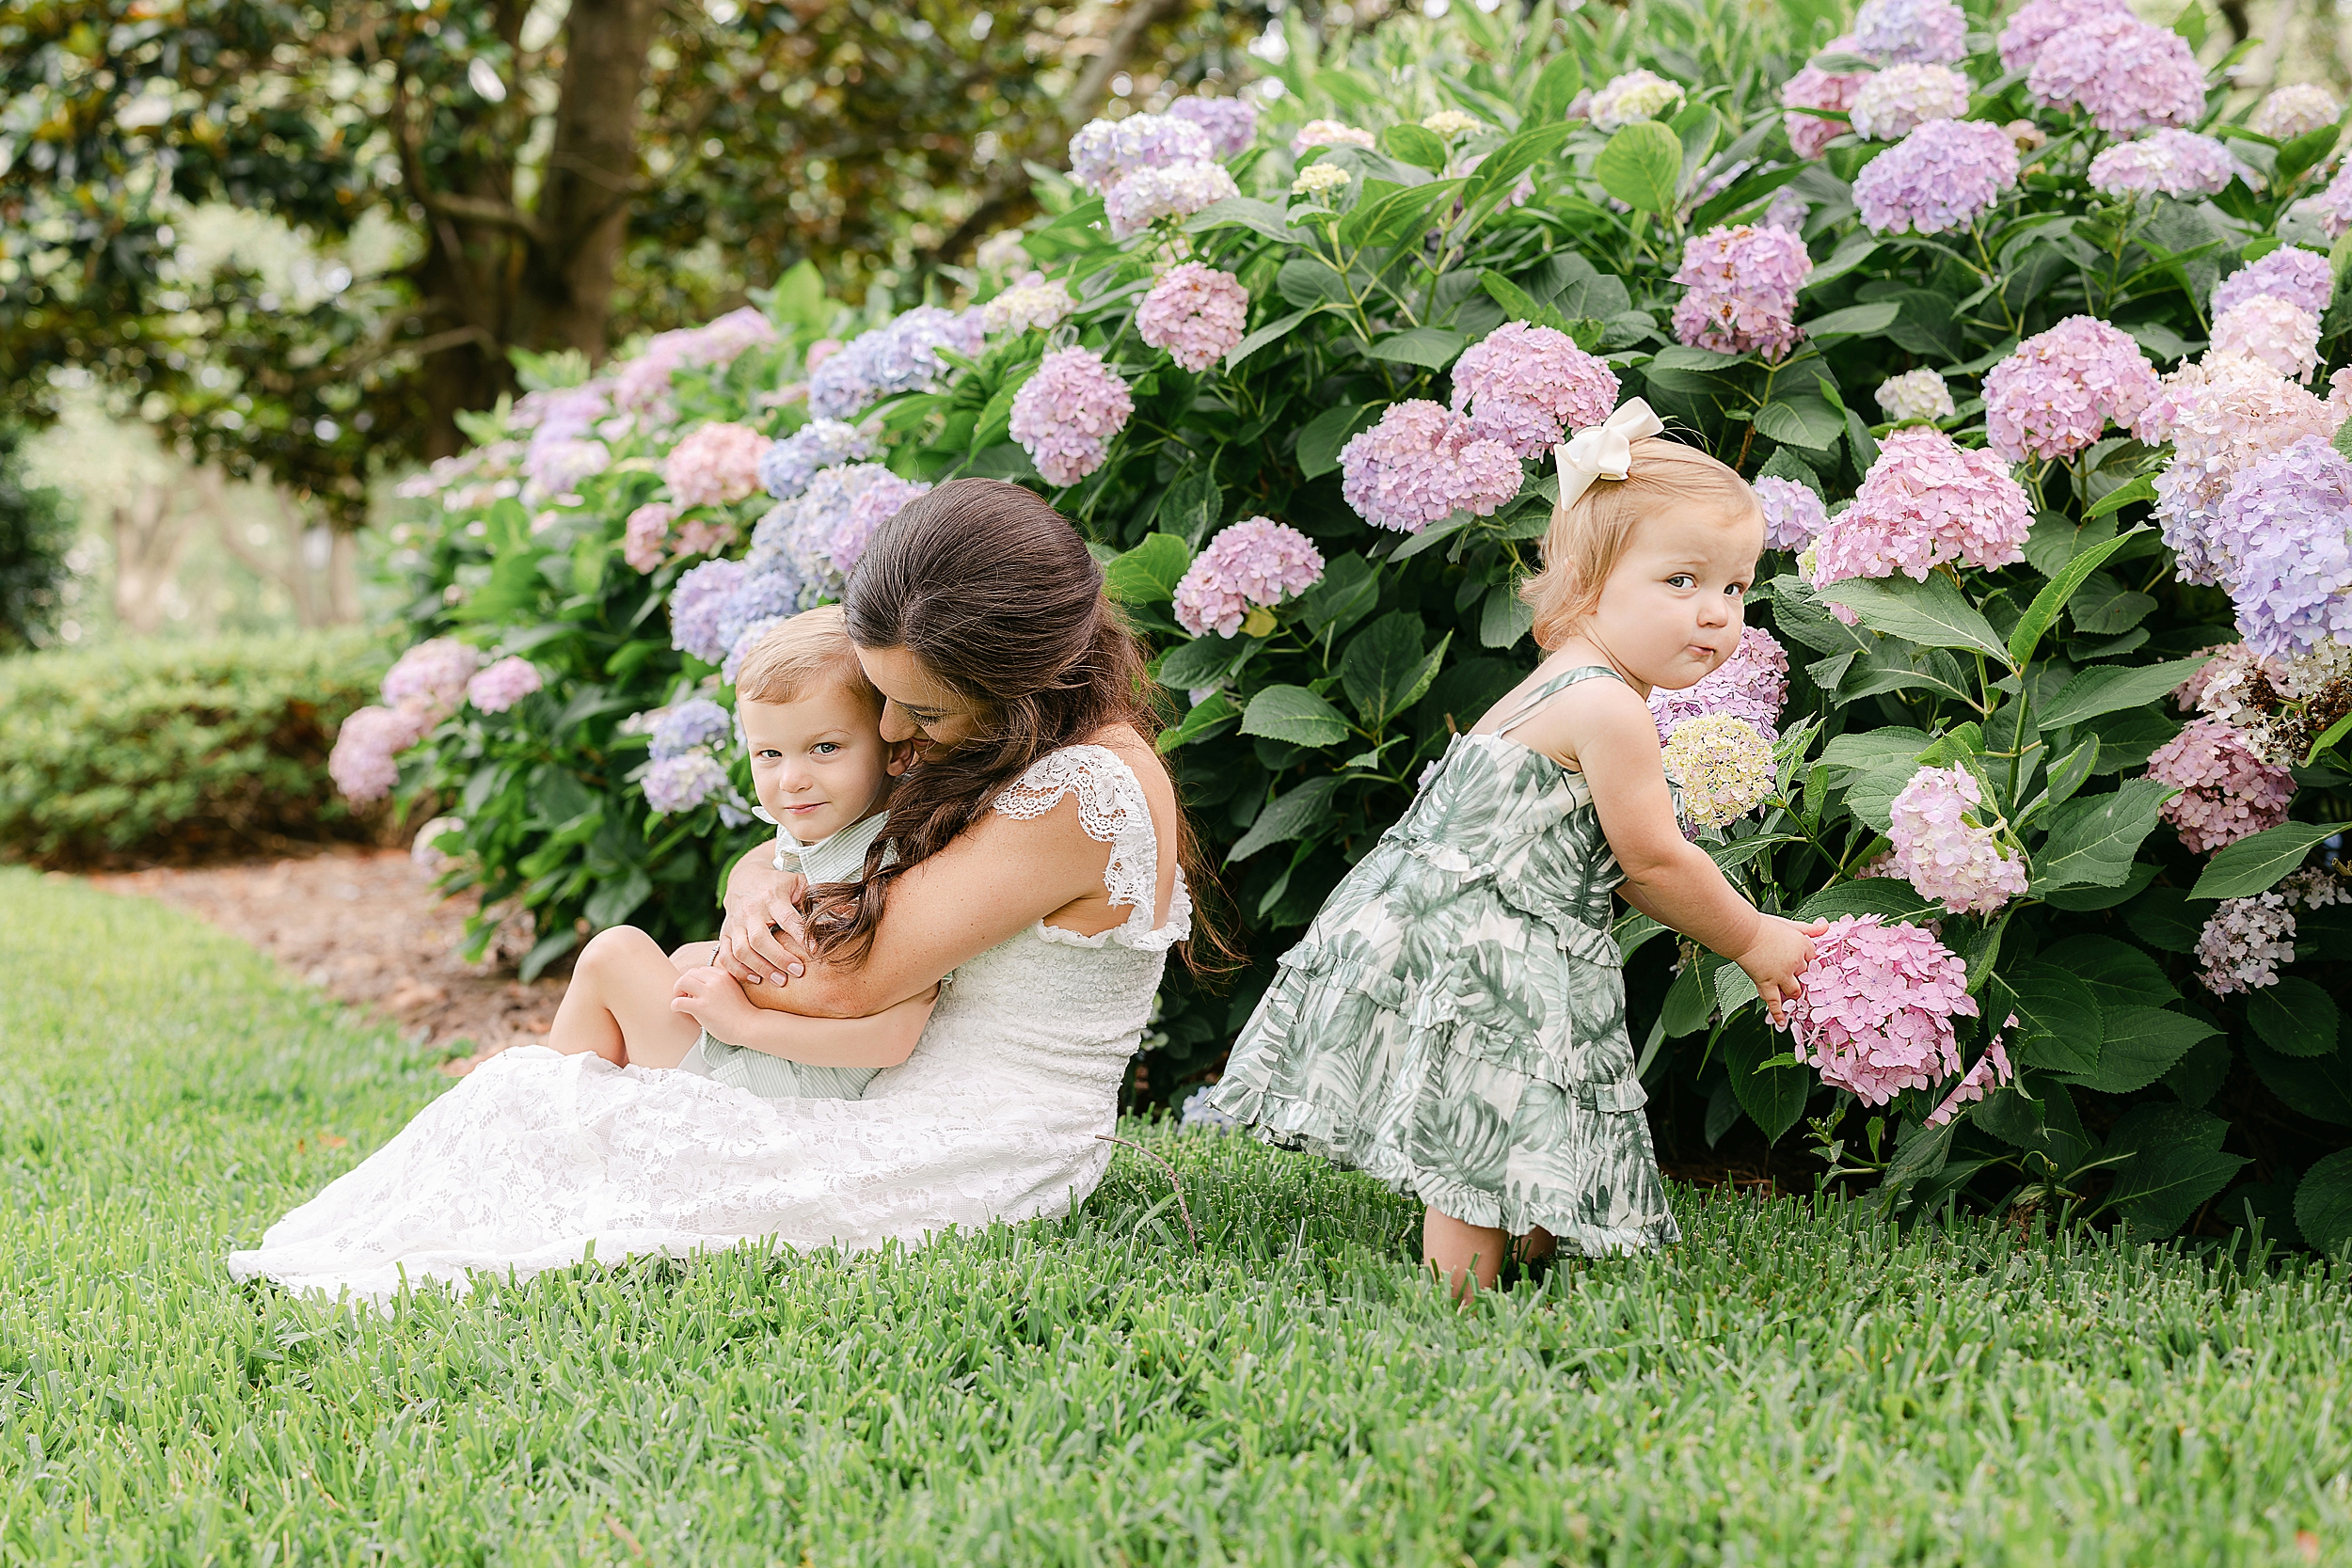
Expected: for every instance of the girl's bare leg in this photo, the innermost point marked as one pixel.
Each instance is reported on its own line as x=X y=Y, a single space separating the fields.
x=618 y=1003
x=1469 y=1256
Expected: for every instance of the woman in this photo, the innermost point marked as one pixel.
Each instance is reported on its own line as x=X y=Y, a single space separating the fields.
x=1037 y=883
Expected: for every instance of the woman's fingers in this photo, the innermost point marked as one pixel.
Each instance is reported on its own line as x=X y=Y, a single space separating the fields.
x=769 y=954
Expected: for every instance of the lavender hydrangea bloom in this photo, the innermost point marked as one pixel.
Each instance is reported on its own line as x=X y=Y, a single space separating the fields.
x=1896 y=32
x=1751 y=685
x=642 y=384
x=682 y=782
x=2222 y=416
x=1896 y=100
x=1420 y=463
x=1107 y=151
x=2333 y=206
x=1524 y=385
x=1065 y=415
x=745 y=641
x=2125 y=73
x=1230 y=123
x=2040 y=20
x=1925 y=499
x=786 y=467
x=2302 y=278
x=1816 y=88
x=2290 y=518
x=2057 y=392
x=1741 y=290
x=2295 y=111
x=563 y=413
x=756 y=596
x=811 y=533
x=1142 y=198
x=874 y=504
x=1946 y=174
x=2281 y=335
x=697 y=601
x=1196 y=313
x=2164 y=162
x=1254 y=563
x=1915 y=395
x=1793 y=515
x=2243 y=942
x=503 y=684
x=557 y=467
x=692 y=725
x=900 y=357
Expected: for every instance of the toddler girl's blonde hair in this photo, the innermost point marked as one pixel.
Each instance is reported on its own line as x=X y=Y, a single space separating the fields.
x=805 y=654
x=1589 y=535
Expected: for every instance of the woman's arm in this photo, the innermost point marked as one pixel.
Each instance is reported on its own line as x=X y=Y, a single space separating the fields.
x=713 y=999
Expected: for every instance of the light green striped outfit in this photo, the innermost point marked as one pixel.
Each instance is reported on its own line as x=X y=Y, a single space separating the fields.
x=837 y=858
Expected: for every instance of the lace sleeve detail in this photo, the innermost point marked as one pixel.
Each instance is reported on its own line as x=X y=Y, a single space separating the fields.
x=1114 y=811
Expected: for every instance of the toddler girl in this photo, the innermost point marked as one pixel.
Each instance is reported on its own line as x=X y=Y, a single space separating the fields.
x=813 y=724
x=1453 y=1022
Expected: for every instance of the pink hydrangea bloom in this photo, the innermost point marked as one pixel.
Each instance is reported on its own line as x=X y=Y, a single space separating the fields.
x=1635 y=95
x=1904 y=96
x=2302 y=278
x=702 y=536
x=1142 y=198
x=1031 y=302
x=1259 y=561
x=1898 y=32
x=642 y=384
x=818 y=352
x=1793 y=515
x=1876 y=1013
x=2226 y=665
x=1816 y=88
x=363 y=763
x=503 y=684
x=1107 y=151
x=1420 y=463
x=430 y=679
x=1751 y=685
x=2222 y=416
x=2292 y=111
x=645 y=543
x=1524 y=385
x=2334 y=204
x=2243 y=942
x=2283 y=533
x=717 y=463
x=1944 y=854
x=2125 y=73
x=1198 y=313
x=1946 y=174
x=1993 y=1069
x=2227 y=792
x=1741 y=290
x=1065 y=415
x=2060 y=390
x=1925 y=499
x=2164 y=162
x=1915 y=395
x=1724 y=765
x=1230 y=123
x=2040 y=20
x=1328 y=132
x=2276 y=331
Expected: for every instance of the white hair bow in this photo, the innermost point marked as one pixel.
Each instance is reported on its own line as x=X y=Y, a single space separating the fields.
x=1603 y=451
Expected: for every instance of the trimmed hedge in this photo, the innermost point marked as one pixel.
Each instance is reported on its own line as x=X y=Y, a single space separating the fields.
x=149 y=750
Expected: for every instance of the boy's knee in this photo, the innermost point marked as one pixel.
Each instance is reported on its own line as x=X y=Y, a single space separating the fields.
x=694 y=955
x=615 y=944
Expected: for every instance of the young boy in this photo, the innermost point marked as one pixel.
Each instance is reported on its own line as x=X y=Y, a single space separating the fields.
x=822 y=771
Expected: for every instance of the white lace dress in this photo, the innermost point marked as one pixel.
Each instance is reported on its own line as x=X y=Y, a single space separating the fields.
x=536 y=1157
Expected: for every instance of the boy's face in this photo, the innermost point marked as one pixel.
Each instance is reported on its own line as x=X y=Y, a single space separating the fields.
x=819 y=762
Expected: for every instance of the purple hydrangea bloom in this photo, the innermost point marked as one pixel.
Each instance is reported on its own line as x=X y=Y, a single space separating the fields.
x=745 y=641
x=1107 y=151
x=2290 y=519
x=1142 y=198
x=2059 y=390
x=1816 y=88
x=1741 y=290
x=1257 y=563
x=1793 y=515
x=1196 y=313
x=1946 y=174
x=693 y=726
x=900 y=357
x=786 y=467
x=503 y=684
x=1420 y=463
x=2333 y=205
x=1901 y=97
x=1065 y=415
x=2221 y=417
x=557 y=467
x=1752 y=684
x=562 y=414
x=696 y=603
x=2040 y=20
x=2164 y=162
x=2302 y=278
x=2125 y=73
x=875 y=503
x=1894 y=32
x=757 y=595
x=682 y=782
x=1230 y=123
x=1524 y=385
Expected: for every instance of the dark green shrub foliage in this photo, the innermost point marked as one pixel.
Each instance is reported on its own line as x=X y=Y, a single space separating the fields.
x=35 y=533
x=153 y=750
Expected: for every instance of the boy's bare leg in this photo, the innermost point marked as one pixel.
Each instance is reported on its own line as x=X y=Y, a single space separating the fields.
x=694 y=955
x=618 y=1003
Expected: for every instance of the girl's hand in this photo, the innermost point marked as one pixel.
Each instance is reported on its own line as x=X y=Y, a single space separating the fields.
x=712 y=999
x=1774 y=958
x=762 y=940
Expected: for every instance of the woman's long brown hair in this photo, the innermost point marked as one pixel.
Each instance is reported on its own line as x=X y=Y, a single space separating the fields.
x=998 y=599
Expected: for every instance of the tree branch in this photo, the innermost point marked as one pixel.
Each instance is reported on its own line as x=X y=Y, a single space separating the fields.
x=480 y=209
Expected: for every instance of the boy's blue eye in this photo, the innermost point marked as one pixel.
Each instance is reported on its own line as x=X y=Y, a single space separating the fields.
x=826 y=748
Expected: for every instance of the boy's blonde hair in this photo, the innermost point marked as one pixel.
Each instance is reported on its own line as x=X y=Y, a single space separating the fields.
x=805 y=653
x=1588 y=537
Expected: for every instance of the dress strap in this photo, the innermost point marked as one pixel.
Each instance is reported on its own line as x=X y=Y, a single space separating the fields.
x=1114 y=809
x=1552 y=689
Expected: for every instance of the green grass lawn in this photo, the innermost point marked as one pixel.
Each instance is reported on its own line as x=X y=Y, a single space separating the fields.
x=1782 y=1388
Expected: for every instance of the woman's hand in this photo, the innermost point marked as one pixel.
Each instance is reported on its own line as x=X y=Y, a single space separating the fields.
x=763 y=939
x=712 y=999
x=1776 y=957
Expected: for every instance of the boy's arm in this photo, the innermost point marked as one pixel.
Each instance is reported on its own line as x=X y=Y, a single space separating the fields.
x=884 y=1039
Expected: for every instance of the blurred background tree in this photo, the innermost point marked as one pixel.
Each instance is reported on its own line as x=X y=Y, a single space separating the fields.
x=35 y=536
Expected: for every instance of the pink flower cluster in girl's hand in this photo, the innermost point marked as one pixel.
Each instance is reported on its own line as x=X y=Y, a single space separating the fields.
x=2125 y=73
x=1031 y=302
x=1904 y=96
x=1230 y=123
x=2302 y=278
x=645 y=542
x=1196 y=313
x=2227 y=792
x=1524 y=385
x=2222 y=417
x=1741 y=290
x=2243 y=942
x=2059 y=390
x=1897 y=32
x=1991 y=1070
x=1793 y=515
x=1876 y=1012
x=503 y=684
x=1816 y=88
x=1751 y=685
x=717 y=463
x=2283 y=533
x=2280 y=333
x=2040 y=20
x=1258 y=562
x=1420 y=463
x=1946 y=174
x=2164 y=162
x=1925 y=499
x=1065 y=415
x=1724 y=766
x=1915 y=395
x=1944 y=855
x=2293 y=111
x=1107 y=151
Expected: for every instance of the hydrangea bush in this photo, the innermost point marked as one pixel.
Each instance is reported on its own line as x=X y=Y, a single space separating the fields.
x=2046 y=684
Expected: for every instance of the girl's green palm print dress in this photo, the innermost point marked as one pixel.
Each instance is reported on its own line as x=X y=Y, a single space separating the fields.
x=1453 y=1022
